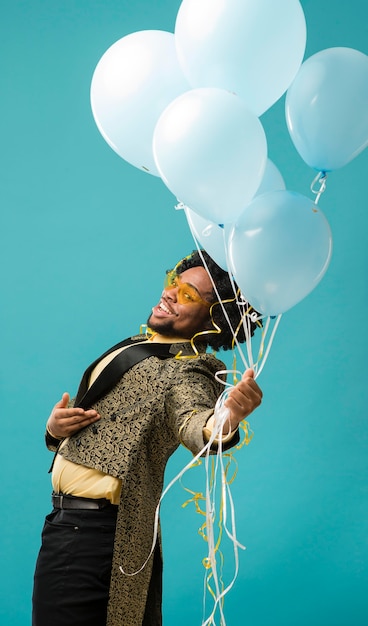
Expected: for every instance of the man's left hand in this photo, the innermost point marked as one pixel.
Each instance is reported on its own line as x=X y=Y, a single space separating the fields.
x=243 y=399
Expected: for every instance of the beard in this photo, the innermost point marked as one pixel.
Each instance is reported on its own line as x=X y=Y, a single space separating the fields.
x=165 y=328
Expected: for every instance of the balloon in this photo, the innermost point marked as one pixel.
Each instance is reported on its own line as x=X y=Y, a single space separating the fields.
x=133 y=82
x=327 y=108
x=212 y=237
x=211 y=152
x=209 y=235
x=251 y=47
x=279 y=250
x=272 y=179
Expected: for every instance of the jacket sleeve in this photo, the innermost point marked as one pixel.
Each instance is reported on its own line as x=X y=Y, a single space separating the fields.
x=191 y=400
x=52 y=443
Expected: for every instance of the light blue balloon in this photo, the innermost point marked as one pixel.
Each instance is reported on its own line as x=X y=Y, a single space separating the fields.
x=211 y=152
x=210 y=236
x=251 y=47
x=279 y=250
x=272 y=179
x=213 y=237
x=327 y=108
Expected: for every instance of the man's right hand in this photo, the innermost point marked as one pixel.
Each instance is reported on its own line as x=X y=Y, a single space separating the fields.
x=64 y=422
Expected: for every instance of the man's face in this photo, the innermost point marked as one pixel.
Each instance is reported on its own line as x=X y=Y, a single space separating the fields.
x=178 y=314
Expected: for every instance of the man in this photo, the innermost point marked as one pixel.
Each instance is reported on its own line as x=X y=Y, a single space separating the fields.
x=134 y=407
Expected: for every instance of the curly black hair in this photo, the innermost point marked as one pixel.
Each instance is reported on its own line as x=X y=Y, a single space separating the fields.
x=220 y=277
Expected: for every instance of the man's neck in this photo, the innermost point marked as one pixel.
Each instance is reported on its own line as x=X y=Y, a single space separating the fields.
x=157 y=338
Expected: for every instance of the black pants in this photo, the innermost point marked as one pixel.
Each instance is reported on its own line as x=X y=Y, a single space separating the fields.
x=72 y=576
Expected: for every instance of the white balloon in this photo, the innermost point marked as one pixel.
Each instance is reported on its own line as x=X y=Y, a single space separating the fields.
x=251 y=47
x=211 y=152
x=133 y=82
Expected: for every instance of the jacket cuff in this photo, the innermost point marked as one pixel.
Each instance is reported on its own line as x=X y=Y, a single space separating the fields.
x=52 y=442
x=227 y=442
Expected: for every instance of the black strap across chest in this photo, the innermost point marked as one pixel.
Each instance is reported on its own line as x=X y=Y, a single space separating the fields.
x=120 y=364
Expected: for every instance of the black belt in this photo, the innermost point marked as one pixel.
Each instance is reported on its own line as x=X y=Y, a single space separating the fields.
x=62 y=501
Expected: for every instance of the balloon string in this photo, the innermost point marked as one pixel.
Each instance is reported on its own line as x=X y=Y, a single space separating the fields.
x=258 y=364
x=246 y=322
x=220 y=591
x=216 y=290
x=246 y=316
x=261 y=358
x=269 y=344
x=262 y=344
x=321 y=178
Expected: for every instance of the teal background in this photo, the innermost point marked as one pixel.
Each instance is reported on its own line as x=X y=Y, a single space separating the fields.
x=85 y=239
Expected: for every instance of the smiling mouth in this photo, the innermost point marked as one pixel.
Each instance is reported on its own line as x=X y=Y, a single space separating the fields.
x=163 y=308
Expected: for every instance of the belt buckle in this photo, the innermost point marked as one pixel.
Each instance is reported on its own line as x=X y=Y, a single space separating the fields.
x=57 y=500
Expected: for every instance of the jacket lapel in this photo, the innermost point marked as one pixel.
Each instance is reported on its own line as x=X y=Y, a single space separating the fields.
x=83 y=385
x=112 y=373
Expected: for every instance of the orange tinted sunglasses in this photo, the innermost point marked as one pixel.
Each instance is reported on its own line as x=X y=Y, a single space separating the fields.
x=186 y=293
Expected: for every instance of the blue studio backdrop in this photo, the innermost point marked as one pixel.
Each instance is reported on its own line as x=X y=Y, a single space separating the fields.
x=85 y=241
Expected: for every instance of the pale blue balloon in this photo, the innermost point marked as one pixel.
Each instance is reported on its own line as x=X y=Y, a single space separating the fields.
x=211 y=152
x=135 y=79
x=272 y=179
x=327 y=108
x=251 y=47
x=213 y=237
x=279 y=250
x=209 y=235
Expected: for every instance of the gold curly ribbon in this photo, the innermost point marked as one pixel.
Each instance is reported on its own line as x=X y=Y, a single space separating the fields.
x=209 y=562
x=216 y=329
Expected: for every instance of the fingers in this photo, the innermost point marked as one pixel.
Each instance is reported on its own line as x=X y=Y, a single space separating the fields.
x=63 y=403
x=75 y=423
x=75 y=416
x=247 y=390
x=77 y=413
x=244 y=398
x=64 y=426
x=65 y=421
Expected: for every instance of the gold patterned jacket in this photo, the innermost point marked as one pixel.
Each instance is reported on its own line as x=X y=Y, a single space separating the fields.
x=155 y=405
